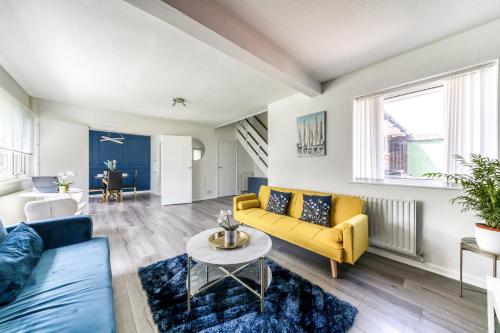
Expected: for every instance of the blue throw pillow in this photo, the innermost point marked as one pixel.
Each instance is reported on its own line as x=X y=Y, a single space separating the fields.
x=20 y=251
x=278 y=202
x=3 y=232
x=316 y=209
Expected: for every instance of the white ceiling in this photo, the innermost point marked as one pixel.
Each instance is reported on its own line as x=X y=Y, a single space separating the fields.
x=334 y=37
x=111 y=55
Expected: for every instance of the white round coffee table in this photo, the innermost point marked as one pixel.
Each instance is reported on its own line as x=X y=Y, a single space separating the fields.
x=241 y=264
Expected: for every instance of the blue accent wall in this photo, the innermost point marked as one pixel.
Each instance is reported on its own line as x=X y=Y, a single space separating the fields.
x=133 y=154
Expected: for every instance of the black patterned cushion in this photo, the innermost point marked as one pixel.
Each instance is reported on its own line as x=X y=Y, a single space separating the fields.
x=278 y=202
x=316 y=209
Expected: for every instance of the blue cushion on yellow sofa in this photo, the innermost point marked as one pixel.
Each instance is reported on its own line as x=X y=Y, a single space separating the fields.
x=316 y=209
x=278 y=202
x=20 y=251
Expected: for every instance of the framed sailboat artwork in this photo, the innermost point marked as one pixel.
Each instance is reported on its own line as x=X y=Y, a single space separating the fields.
x=311 y=134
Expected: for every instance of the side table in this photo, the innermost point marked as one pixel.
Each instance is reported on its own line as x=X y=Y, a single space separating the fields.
x=469 y=244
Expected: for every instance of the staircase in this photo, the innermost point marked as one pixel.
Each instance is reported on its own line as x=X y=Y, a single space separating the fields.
x=252 y=134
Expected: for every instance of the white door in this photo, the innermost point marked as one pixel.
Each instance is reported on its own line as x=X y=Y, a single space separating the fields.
x=176 y=170
x=227 y=168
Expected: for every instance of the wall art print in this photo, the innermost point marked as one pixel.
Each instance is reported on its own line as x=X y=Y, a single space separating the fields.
x=311 y=134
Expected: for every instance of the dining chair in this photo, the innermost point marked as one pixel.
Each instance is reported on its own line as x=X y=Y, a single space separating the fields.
x=101 y=190
x=133 y=185
x=47 y=209
x=115 y=185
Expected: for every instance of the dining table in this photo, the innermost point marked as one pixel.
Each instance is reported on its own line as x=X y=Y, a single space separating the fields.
x=103 y=176
x=72 y=191
x=104 y=180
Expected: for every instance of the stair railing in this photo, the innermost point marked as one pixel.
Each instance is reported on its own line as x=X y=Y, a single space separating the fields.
x=254 y=143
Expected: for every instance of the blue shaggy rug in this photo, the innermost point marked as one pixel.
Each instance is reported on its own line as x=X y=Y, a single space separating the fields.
x=292 y=304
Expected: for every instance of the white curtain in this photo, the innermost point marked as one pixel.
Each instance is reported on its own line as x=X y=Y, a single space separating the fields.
x=368 y=138
x=16 y=125
x=471 y=121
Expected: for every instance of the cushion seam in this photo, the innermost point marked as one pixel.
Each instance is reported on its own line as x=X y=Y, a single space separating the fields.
x=280 y=218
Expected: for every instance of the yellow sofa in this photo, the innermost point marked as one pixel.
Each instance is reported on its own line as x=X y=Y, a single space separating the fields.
x=345 y=241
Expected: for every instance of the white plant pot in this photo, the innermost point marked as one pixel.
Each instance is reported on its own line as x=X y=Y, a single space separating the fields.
x=488 y=239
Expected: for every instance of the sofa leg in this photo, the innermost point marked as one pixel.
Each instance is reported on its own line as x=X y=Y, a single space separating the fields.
x=335 y=271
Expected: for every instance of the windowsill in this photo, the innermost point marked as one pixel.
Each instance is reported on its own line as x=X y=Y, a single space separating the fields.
x=14 y=185
x=422 y=183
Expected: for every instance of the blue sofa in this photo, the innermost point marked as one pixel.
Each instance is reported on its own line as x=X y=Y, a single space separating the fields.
x=70 y=289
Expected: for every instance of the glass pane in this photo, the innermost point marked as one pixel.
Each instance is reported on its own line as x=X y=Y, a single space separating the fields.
x=414 y=134
x=196 y=154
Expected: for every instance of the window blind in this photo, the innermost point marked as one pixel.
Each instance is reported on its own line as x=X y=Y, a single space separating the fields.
x=16 y=138
x=16 y=125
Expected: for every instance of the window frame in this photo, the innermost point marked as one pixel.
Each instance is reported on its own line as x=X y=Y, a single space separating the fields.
x=20 y=165
x=413 y=85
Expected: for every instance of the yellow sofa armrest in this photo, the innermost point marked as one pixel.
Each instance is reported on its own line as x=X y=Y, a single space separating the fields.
x=247 y=204
x=355 y=237
x=241 y=198
x=338 y=232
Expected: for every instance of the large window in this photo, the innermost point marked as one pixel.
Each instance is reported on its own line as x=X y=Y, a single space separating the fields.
x=16 y=138
x=406 y=132
x=414 y=133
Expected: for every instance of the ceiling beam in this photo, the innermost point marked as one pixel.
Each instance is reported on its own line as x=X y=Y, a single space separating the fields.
x=215 y=26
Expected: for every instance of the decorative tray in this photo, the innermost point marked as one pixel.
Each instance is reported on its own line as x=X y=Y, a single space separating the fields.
x=216 y=240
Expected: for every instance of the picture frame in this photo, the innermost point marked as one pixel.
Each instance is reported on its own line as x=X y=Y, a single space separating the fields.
x=311 y=134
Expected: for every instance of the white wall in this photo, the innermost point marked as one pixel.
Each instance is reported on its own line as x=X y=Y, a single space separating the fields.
x=155 y=164
x=64 y=147
x=257 y=172
x=12 y=206
x=204 y=170
x=245 y=165
x=8 y=84
x=442 y=224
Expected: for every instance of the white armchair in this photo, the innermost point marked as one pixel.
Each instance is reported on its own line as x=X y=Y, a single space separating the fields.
x=47 y=209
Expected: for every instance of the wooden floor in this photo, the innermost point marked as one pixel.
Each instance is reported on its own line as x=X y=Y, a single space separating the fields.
x=390 y=296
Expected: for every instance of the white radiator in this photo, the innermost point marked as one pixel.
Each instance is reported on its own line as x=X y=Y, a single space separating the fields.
x=393 y=225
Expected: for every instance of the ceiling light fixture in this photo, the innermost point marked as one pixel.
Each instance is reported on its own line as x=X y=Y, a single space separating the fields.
x=178 y=100
x=109 y=138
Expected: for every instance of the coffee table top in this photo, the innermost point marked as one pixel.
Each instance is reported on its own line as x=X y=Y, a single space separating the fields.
x=199 y=249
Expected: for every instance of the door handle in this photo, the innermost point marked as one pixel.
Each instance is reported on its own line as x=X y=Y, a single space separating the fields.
x=220 y=167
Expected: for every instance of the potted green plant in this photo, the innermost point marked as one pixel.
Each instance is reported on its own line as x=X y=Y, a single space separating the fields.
x=230 y=229
x=63 y=181
x=481 y=194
